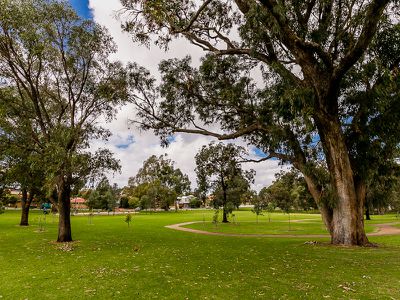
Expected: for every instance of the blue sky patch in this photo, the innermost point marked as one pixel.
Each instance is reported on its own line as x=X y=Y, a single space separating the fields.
x=259 y=152
x=171 y=139
x=129 y=141
x=82 y=8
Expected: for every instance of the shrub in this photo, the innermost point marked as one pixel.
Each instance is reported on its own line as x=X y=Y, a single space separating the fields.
x=194 y=203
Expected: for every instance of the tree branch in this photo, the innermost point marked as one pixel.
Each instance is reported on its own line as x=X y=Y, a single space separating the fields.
x=372 y=18
x=193 y=19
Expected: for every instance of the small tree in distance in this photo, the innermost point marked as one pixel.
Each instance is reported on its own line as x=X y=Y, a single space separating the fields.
x=219 y=170
x=128 y=219
x=257 y=208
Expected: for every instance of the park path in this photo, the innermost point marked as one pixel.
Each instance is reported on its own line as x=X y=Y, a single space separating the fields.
x=382 y=229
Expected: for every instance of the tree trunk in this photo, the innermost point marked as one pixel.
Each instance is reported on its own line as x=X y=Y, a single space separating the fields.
x=64 y=208
x=54 y=201
x=316 y=193
x=348 y=211
x=25 y=205
x=367 y=213
x=224 y=216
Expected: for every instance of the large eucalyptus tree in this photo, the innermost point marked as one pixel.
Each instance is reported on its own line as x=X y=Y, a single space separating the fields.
x=57 y=65
x=329 y=89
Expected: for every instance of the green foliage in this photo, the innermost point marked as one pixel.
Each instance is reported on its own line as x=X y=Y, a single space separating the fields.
x=124 y=202
x=215 y=220
x=10 y=199
x=219 y=171
x=289 y=190
x=2 y=208
x=258 y=206
x=104 y=196
x=195 y=203
x=128 y=219
x=328 y=96
x=161 y=169
x=58 y=82
x=145 y=202
x=134 y=202
x=383 y=193
x=157 y=183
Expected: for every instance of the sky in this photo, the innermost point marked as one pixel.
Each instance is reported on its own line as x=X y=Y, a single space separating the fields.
x=132 y=146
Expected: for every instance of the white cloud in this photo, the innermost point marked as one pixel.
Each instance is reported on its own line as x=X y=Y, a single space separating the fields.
x=184 y=148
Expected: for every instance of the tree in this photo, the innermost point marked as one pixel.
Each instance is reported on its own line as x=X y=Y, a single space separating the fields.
x=128 y=219
x=195 y=203
x=159 y=181
x=20 y=158
x=328 y=82
x=103 y=196
x=162 y=169
x=258 y=206
x=57 y=65
x=160 y=195
x=219 y=170
x=296 y=186
x=281 y=196
x=266 y=201
x=383 y=192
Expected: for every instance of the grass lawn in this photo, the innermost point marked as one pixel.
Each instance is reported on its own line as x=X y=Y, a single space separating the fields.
x=147 y=261
x=276 y=223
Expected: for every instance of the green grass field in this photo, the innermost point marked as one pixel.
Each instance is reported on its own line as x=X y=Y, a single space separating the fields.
x=246 y=223
x=147 y=261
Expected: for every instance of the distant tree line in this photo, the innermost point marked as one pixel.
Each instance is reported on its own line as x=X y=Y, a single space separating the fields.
x=289 y=192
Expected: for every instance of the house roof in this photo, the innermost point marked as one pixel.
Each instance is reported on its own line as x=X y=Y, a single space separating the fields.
x=78 y=200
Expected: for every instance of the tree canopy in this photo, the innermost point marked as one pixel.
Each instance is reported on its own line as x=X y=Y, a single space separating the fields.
x=328 y=93
x=220 y=174
x=55 y=67
x=158 y=183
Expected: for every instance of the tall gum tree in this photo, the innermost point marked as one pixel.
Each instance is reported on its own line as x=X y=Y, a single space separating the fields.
x=320 y=67
x=58 y=65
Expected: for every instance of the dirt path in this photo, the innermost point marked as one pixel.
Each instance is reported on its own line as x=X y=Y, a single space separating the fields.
x=382 y=229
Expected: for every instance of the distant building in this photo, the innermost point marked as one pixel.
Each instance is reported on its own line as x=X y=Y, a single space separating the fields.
x=184 y=201
x=15 y=192
x=78 y=203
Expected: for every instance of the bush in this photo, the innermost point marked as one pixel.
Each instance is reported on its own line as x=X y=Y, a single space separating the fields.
x=128 y=219
x=11 y=200
x=124 y=202
x=133 y=202
x=195 y=203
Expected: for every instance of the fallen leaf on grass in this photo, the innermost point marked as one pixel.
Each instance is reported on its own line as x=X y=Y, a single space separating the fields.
x=346 y=288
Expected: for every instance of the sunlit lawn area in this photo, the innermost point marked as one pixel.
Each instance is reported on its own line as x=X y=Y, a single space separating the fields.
x=148 y=261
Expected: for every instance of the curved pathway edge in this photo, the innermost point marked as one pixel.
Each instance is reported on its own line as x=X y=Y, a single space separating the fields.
x=382 y=230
